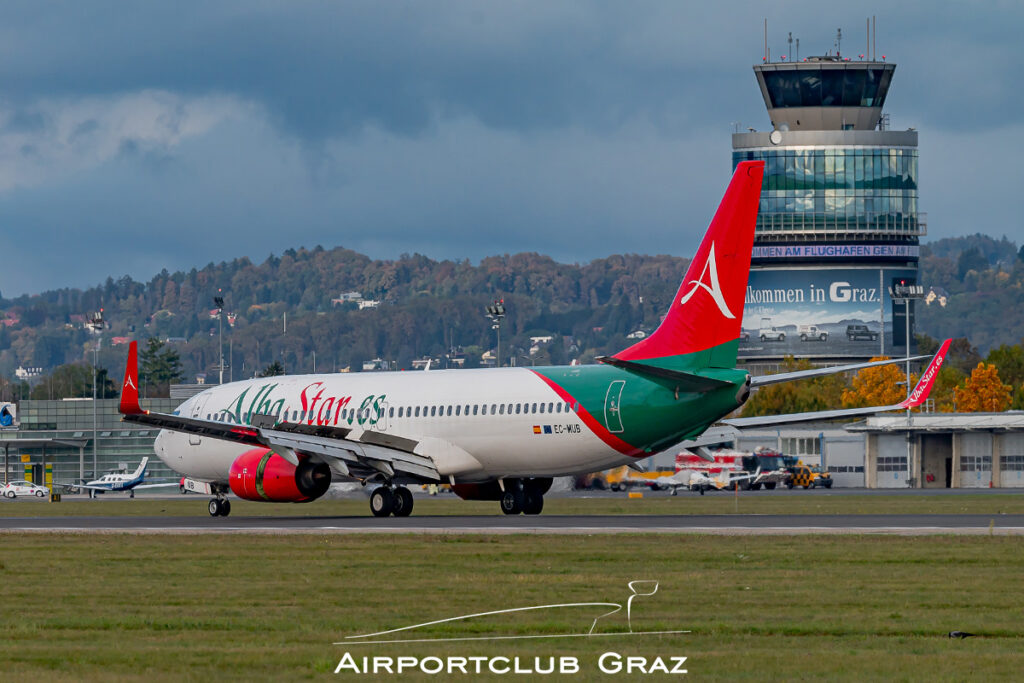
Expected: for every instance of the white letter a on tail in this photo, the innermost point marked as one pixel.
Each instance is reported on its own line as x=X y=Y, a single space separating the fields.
x=711 y=287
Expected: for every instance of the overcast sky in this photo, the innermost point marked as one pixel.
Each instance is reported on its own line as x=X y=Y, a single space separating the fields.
x=139 y=136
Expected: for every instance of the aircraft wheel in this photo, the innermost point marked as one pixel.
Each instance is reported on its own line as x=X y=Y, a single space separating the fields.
x=512 y=502
x=533 y=503
x=225 y=507
x=403 y=502
x=131 y=494
x=382 y=502
x=214 y=507
x=769 y=485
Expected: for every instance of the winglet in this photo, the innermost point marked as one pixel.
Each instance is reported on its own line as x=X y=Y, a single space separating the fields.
x=924 y=385
x=130 y=390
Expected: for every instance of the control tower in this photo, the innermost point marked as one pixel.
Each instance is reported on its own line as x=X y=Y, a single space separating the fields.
x=838 y=220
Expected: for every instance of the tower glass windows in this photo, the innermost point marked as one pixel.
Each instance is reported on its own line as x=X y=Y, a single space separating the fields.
x=837 y=189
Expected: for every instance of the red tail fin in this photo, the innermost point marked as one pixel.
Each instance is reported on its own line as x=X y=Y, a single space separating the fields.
x=130 y=390
x=708 y=309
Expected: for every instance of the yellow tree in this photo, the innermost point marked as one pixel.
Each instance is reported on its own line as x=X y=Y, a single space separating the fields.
x=983 y=391
x=820 y=393
x=878 y=386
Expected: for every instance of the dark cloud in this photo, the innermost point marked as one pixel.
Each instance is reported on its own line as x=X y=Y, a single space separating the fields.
x=140 y=136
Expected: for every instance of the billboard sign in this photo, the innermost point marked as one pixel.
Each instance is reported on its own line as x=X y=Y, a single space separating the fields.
x=823 y=312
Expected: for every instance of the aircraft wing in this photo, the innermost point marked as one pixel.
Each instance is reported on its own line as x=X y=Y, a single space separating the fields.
x=156 y=486
x=916 y=398
x=821 y=372
x=350 y=452
x=82 y=486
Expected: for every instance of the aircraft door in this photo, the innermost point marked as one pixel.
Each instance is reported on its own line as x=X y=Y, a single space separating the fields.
x=612 y=402
x=382 y=419
x=198 y=414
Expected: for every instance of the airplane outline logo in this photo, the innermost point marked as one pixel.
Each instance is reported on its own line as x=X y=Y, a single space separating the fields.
x=714 y=289
x=128 y=382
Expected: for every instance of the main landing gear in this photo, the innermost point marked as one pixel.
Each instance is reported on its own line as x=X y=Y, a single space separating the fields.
x=526 y=497
x=391 y=500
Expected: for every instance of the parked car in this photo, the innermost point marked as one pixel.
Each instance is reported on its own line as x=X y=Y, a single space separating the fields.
x=855 y=332
x=24 y=488
x=771 y=334
x=768 y=332
x=812 y=333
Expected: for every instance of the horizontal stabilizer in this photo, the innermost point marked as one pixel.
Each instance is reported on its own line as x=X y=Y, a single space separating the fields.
x=821 y=372
x=684 y=381
x=918 y=396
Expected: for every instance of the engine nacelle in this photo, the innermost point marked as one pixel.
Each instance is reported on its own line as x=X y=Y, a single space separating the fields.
x=262 y=474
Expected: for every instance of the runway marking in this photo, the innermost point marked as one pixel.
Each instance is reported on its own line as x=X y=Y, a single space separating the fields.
x=506 y=531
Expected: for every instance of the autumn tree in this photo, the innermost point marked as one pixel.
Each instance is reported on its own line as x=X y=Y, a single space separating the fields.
x=882 y=385
x=943 y=393
x=819 y=393
x=74 y=381
x=983 y=391
x=1009 y=361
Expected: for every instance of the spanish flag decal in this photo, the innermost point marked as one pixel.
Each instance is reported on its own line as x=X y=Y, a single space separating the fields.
x=536 y=429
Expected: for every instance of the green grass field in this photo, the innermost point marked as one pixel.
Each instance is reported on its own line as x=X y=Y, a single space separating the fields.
x=258 y=607
x=447 y=504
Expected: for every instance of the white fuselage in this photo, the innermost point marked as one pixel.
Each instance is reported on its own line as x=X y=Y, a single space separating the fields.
x=508 y=419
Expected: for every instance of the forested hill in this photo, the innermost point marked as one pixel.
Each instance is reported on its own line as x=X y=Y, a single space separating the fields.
x=984 y=279
x=428 y=306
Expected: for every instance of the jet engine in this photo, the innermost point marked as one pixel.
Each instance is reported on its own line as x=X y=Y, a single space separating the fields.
x=262 y=474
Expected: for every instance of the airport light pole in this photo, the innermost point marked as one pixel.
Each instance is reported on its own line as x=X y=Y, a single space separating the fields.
x=97 y=326
x=903 y=291
x=218 y=301
x=496 y=312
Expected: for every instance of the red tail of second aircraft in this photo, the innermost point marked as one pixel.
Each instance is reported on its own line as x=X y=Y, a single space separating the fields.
x=130 y=389
x=708 y=309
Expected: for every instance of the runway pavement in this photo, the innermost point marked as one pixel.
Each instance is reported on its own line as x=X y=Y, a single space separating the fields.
x=550 y=524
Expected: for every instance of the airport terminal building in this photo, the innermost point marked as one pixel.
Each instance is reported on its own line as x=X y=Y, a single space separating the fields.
x=56 y=441
x=838 y=221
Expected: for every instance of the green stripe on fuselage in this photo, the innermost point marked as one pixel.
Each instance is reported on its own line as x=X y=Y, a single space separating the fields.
x=653 y=416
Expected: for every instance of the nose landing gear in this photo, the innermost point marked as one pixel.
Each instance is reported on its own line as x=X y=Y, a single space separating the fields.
x=220 y=506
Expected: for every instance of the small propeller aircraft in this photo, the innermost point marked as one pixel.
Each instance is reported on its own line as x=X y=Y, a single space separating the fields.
x=120 y=481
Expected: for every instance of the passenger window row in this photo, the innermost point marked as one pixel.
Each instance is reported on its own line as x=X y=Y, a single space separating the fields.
x=466 y=410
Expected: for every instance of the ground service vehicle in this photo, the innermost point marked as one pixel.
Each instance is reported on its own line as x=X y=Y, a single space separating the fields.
x=802 y=475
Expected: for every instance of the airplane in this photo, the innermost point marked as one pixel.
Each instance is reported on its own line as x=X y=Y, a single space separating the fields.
x=117 y=481
x=705 y=479
x=496 y=434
